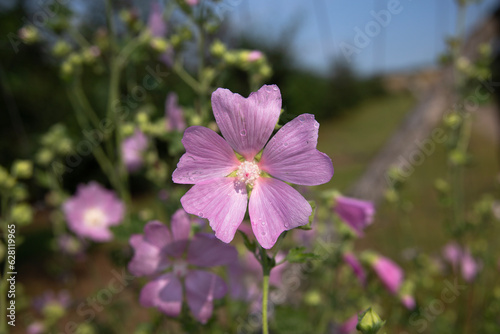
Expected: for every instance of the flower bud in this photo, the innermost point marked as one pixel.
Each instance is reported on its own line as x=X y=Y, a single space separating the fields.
x=369 y=322
x=22 y=214
x=61 y=48
x=22 y=169
x=313 y=298
x=218 y=49
x=29 y=34
x=44 y=157
x=159 y=44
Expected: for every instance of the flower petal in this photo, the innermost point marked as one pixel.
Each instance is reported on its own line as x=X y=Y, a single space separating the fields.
x=201 y=289
x=291 y=155
x=180 y=225
x=207 y=251
x=222 y=201
x=275 y=207
x=247 y=123
x=164 y=293
x=148 y=259
x=157 y=234
x=208 y=156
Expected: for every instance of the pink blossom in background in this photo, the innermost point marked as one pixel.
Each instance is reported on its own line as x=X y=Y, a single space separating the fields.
x=36 y=327
x=172 y=258
x=461 y=258
x=408 y=302
x=92 y=210
x=349 y=326
x=254 y=55
x=469 y=267
x=452 y=252
x=221 y=180
x=192 y=3
x=174 y=114
x=389 y=273
x=358 y=214
x=133 y=149
x=156 y=24
x=245 y=279
x=356 y=267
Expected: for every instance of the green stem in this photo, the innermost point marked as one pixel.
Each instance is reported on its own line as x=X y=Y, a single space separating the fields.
x=186 y=77
x=265 y=297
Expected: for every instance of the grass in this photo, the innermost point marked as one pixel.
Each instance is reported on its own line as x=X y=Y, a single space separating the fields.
x=355 y=139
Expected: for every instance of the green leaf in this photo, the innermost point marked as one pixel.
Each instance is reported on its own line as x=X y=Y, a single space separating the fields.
x=298 y=255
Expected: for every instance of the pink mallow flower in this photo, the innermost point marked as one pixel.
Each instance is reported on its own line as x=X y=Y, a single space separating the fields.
x=254 y=55
x=389 y=273
x=356 y=267
x=174 y=114
x=349 y=326
x=222 y=180
x=245 y=277
x=408 y=301
x=459 y=257
x=159 y=250
x=133 y=149
x=156 y=24
x=92 y=211
x=358 y=214
x=36 y=327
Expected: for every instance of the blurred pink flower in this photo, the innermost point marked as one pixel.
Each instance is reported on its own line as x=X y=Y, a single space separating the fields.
x=408 y=301
x=470 y=267
x=133 y=148
x=159 y=249
x=290 y=156
x=36 y=327
x=452 y=252
x=254 y=56
x=459 y=257
x=92 y=211
x=356 y=267
x=349 y=326
x=174 y=114
x=389 y=273
x=192 y=2
x=156 y=24
x=358 y=214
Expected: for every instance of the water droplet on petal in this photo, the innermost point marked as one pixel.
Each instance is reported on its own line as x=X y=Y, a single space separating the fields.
x=243 y=132
x=263 y=223
x=287 y=225
x=275 y=87
x=285 y=144
x=200 y=214
x=263 y=233
x=316 y=124
x=302 y=118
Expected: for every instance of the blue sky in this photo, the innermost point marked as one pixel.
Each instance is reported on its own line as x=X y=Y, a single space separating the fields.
x=413 y=38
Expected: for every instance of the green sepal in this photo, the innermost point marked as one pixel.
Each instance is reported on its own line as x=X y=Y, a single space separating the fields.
x=250 y=245
x=308 y=226
x=298 y=255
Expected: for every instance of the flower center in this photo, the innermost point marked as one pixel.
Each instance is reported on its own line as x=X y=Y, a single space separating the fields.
x=180 y=268
x=248 y=172
x=94 y=217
